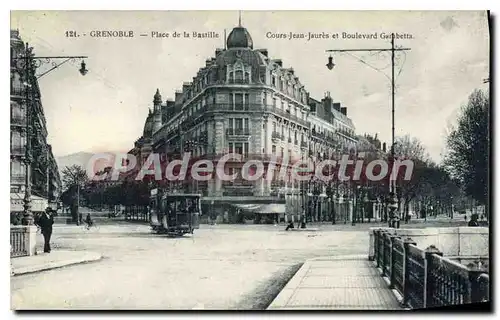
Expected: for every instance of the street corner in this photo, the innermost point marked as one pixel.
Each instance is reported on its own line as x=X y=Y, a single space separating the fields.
x=54 y=260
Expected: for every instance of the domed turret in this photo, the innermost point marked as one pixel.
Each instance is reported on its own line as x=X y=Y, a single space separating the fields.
x=148 y=126
x=239 y=38
x=157 y=97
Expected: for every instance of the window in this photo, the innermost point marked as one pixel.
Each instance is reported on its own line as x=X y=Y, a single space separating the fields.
x=238 y=123
x=273 y=81
x=282 y=152
x=274 y=127
x=273 y=149
x=246 y=100
x=274 y=102
x=238 y=147
x=247 y=77
x=238 y=101
x=238 y=76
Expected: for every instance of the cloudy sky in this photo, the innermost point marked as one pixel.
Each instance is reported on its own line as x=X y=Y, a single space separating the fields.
x=106 y=109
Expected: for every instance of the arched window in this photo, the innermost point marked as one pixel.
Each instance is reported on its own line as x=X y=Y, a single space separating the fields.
x=238 y=76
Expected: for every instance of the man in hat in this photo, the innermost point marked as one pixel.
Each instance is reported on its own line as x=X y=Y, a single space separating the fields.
x=45 y=222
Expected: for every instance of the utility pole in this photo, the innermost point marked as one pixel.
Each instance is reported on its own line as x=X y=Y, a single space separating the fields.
x=392 y=182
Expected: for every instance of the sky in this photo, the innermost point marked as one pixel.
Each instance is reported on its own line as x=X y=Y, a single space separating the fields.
x=106 y=109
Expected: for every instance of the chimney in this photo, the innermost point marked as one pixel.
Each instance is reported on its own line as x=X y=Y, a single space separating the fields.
x=343 y=110
x=279 y=62
x=336 y=106
x=384 y=147
x=263 y=51
x=208 y=63
x=178 y=97
x=185 y=86
x=291 y=70
x=170 y=103
x=218 y=51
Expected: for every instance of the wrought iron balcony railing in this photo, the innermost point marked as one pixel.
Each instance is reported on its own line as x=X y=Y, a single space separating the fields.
x=17 y=178
x=18 y=120
x=17 y=150
x=238 y=131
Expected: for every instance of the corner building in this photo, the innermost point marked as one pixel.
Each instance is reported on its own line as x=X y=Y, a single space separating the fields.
x=242 y=102
x=27 y=112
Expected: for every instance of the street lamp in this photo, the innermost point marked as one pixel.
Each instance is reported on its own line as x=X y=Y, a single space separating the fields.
x=366 y=202
x=393 y=50
x=26 y=64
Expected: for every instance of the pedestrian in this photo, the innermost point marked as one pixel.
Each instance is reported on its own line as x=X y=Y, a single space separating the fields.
x=45 y=222
x=290 y=226
x=473 y=221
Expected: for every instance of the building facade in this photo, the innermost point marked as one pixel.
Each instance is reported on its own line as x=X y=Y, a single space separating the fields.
x=25 y=98
x=242 y=101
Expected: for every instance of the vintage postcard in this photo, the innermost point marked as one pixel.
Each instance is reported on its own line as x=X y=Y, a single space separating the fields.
x=249 y=160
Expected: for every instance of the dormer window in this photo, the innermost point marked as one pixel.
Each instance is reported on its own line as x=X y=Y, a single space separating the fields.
x=238 y=76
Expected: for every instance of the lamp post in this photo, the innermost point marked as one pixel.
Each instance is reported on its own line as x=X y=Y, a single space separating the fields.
x=26 y=64
x=393 y=50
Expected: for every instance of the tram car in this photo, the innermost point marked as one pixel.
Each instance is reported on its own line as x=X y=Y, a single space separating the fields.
x=174 y=214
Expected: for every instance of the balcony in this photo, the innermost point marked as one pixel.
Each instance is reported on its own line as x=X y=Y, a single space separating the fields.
x=17 y=91
x=18 y=120
x=203 y=137
x=17 y=178
x=303 y=144
x=238 y=183
x=238 y=132
x=287 y=115
x=238 y=81
x=17 y=150
x=275 y=136
x=317 y=134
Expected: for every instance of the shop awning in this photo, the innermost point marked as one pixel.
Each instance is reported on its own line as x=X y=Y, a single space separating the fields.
x=263 y=208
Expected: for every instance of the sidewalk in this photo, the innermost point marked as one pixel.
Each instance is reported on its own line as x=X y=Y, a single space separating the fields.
x=336 y=283
x=53 y=260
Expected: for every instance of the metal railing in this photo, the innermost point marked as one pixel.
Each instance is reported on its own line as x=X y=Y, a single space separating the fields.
x=17 y=178
x=238 y=131
x=425 y=278
x=19 y=241
x=17 y=150
x=17 y=119
x=136 y=213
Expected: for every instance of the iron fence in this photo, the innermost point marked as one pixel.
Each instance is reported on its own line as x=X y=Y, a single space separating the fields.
x=424 y=277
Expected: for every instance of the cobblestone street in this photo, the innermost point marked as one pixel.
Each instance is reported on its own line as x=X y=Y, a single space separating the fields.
x=219 y=267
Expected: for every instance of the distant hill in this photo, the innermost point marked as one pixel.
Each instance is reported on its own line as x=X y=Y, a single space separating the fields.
x=80 y=158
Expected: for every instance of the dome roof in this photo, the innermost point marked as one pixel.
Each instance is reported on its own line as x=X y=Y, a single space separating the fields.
x=148 y=126
x=239 y=38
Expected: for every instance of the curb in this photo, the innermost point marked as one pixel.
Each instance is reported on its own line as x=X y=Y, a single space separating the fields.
x=55 y=265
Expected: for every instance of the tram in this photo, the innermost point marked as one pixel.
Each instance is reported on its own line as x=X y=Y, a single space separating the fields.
x=174 y=214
